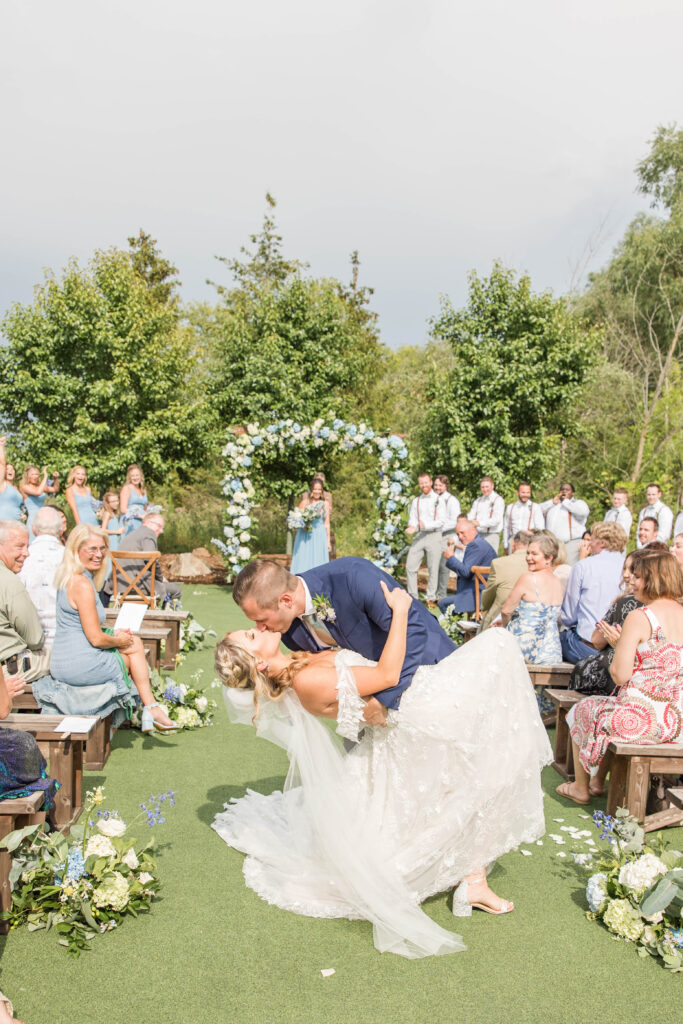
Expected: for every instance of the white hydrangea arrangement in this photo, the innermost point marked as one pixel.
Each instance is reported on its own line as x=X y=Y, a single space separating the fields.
x=185 y=704
x=637 y=891
x=257 y=442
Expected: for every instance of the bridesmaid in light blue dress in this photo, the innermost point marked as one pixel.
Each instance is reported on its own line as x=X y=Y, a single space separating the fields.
x=312 y=547
x=79 y=497
x=10 y=498
x=111 y=522
x=35 y=490
x=134 y=499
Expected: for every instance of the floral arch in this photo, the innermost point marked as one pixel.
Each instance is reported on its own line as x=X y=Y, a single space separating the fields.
x=249 y=450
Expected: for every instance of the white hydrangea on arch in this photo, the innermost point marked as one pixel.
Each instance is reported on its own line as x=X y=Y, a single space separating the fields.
x=249 y=449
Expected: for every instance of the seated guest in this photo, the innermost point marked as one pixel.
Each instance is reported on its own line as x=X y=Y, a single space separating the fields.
x=11 y=500
x=21 y=634
x=79 y=497
x=64 y=527
x=592 y=585
x=90 y=668
x=591 y=675
x=560 y=567
x=657 y=510
x=647 y=670
x=647 y=531
x=22 y=766
x=677 y=549
x=477 y=551
x=35 y=489
x=531 y=610
x=38 y=572
x=504 y=574
x=144 y=538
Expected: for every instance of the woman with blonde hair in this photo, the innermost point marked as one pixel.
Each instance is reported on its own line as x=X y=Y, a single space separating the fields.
x=35 y=489
x=79 y=497
x=133 y=500
x=91 y=668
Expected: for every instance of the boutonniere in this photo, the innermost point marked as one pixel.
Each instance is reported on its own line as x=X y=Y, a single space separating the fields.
x=323 y=609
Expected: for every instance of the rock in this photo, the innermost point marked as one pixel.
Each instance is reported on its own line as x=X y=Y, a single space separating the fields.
x=187 y=565
x=201 y=553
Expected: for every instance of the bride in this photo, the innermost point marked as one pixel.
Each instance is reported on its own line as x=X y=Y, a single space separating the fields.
x=422 y=804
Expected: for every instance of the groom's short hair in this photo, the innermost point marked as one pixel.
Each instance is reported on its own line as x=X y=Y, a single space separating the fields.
x=264 y=582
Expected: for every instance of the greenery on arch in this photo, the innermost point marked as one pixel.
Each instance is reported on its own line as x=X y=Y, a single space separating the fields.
x=252 y=451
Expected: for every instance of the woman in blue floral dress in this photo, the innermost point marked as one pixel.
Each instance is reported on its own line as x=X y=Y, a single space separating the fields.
x=312 y=546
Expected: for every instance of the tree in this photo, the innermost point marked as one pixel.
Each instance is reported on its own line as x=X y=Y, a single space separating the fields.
x=507 y=402
x=97 y=370
x=155 y=269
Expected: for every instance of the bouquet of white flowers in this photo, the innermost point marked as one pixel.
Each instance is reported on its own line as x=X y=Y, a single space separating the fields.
x=86 y=884
x=304 y=518
x=637 y=890
x=449 y=623
x=186 y=705
x=193 y=636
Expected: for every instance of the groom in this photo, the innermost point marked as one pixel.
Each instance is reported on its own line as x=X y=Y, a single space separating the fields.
x=340 y=603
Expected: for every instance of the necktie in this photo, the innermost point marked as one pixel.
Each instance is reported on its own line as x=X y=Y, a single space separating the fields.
x=317 y=628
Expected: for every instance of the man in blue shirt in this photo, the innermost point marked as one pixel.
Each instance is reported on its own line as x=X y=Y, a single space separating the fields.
x=593 y=585
x=478 y=551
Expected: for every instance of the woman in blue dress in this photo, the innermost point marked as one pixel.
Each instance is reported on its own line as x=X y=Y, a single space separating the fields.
x=134 y=499
x=94 y=671
x=111 y=522
x=79 y=497
x=34 y=491
x=11 y=500
x=312 y=547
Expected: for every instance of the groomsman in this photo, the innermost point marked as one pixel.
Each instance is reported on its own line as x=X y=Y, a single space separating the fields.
x=620 y=512
x=523 y=514
x=566 y=517
x=449 y=507
x=425 y=524
x=487 y=513
x=656 y=509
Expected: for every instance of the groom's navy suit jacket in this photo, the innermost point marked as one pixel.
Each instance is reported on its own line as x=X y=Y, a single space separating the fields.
x=351 y=585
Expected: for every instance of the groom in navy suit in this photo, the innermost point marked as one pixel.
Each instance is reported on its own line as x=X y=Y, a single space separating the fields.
x=341 y=601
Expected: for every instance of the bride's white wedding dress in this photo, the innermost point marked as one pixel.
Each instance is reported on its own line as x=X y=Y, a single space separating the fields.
x=451 y=783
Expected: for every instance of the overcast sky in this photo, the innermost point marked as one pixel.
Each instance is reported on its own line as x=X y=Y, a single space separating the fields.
x=433 y=137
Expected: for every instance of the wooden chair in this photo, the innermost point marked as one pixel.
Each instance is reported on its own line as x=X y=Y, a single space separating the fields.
x=480 y=573
x=15 y=814
x=133 y=584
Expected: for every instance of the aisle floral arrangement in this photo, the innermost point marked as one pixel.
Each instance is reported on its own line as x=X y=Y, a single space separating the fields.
x=259 y=442
x=193 y=636
x=637 y=890
x=87 y=883
x=448 y=621
x=188 y=706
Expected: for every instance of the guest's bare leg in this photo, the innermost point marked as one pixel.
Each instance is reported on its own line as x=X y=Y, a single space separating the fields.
x=136 y=663
x=597 y=783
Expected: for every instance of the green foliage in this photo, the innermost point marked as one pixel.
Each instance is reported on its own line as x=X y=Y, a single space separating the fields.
x=97 y=370
x=660 y=174
x=155 y=269
x=505 y=405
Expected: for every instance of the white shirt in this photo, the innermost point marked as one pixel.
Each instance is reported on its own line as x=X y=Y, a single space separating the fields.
x=449 y=508
x=567 y=520
x=425 y=508
x=678 y=528
x=621 y=516
x=489 y=511
x=38 y=572
x=664 y=516
x=521 y=515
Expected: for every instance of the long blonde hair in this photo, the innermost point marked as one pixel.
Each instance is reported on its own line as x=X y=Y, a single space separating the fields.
x=71 y=564
x=130 y=469
x=24 y=475
x=72 y=474
x=238 y=669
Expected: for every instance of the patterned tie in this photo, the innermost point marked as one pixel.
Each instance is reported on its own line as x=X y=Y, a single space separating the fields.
x=317 y=628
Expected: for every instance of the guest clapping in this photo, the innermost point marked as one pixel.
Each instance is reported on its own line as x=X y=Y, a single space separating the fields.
x=134 y=500
x=10 y=498
x=79 y=497
x=592 y=585
x=90 y=667
x=35 y=488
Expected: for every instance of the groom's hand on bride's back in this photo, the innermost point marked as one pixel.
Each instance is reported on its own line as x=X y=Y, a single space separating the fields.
x=375 y=713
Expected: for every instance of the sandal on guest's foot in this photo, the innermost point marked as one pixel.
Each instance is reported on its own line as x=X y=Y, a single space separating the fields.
x=563 y=790
x=462 y=907
x=149 y=722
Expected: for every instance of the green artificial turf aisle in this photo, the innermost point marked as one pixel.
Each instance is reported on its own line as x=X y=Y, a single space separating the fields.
x=211 y=950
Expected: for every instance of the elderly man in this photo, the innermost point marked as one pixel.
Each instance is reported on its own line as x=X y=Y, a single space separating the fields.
x=657 y=510
x=593 y=585
x=566 y=517
x=21 y=635
x=487 y=513
x=38 y=572
x=504 y=574
x=477 y=551
x=522 y=515
x=144 y=539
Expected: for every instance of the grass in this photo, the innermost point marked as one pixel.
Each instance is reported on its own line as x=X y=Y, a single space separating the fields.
x=211 y=950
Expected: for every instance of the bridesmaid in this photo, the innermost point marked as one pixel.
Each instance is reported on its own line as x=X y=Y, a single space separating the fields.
x=134 y=499
x=111 y=522
x=312 y=547
x=10 y=498
x=79 y=497
x=35 y=490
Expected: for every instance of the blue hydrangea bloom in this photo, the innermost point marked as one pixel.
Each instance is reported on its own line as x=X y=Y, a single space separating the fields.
x=257 y=441
x=389 y=529
x=395 y=442
x=398 y=475
x=296 y=428
x=273 y=428
x=173 y=693
x=236 y=484
x=338 y=424
x=325 y=432
x=352 y=430
x=391 y=505
x=403 y=453
x=246 y=460
x=386 y=455
x=677 y=937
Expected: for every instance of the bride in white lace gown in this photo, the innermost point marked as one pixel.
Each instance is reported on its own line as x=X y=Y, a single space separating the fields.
x=434 y=797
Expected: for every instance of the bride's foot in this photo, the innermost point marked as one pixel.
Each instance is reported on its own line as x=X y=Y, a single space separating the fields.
x=473 y=892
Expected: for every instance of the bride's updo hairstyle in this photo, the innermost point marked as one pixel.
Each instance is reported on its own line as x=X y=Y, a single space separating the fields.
x=238 y=670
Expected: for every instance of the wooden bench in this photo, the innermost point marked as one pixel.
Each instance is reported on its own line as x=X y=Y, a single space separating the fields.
x=25 y=701
x=64 y=754
x=25 y=810
x=98 y=747
x=564 y=755
x=551 y=675
x=160 y=618
x=629 y=784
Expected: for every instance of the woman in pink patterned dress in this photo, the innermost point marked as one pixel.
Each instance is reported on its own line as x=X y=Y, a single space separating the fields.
x=647 y=670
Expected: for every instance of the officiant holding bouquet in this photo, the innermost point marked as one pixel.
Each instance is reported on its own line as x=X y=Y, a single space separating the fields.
x=311 y=520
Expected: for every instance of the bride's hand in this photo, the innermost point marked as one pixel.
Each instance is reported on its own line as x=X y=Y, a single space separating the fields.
x=398 y=599
x=375 y=713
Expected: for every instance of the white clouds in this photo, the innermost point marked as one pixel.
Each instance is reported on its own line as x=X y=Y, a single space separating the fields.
x=432 y=139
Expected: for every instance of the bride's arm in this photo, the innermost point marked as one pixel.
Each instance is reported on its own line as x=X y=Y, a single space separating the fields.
x=316 y=686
